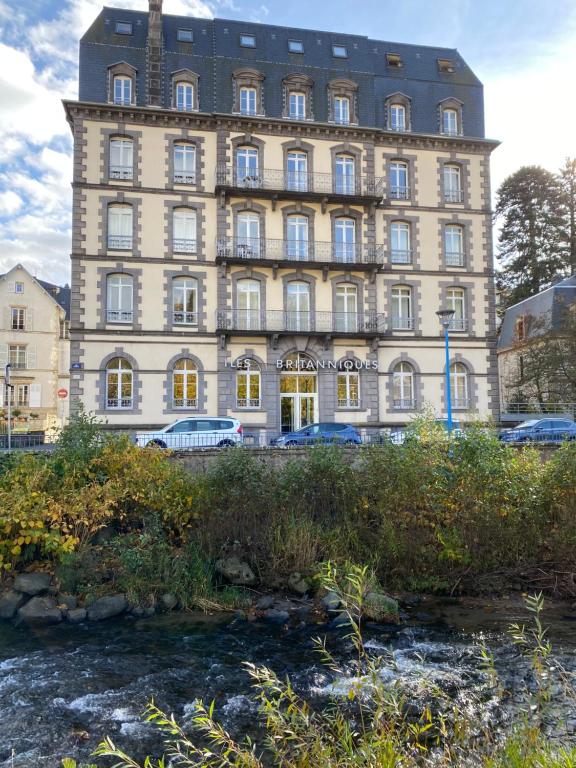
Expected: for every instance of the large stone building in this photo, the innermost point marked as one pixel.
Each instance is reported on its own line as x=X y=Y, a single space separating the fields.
x=266 y=220
x=34 y=340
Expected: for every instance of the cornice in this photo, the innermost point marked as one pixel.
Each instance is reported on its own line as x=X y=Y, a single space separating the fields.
x=205 y=121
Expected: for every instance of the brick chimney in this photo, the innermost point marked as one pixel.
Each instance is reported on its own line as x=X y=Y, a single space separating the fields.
x=154 y=54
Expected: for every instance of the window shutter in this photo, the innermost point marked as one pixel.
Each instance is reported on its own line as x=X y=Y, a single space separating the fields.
x=29 y=322
x=6 y=319
x=3 y=357
x=35 y=396
x=12 y=287
x=31 y=357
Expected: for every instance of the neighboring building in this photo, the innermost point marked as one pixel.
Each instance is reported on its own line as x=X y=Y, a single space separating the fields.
x=34 y=340
x=537 y=353
x=266 y=220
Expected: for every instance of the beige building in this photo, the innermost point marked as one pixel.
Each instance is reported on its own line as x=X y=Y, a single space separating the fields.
x=34 y=339
x=266 y=221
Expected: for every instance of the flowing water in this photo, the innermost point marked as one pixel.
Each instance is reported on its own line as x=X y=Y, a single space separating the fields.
x=63 y=688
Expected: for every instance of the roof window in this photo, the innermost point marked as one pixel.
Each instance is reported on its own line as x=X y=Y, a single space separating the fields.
x=185 y=36
x=340 y=51
x=123 y=28
x=446 y=65
x=394 y=60
x=248 y=41
x=295 y=46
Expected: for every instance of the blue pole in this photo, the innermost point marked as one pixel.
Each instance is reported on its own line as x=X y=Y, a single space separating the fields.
x=448 y=393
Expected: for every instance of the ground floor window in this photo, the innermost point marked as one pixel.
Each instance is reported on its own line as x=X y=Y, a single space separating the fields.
x=248 y=387
x=185 y=384
x=118 y=383
x=348 y=389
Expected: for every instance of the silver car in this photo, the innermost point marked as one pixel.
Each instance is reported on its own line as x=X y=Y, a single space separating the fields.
x=195 y=432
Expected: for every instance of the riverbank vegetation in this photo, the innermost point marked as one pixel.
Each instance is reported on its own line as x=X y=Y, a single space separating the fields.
x=433 y=514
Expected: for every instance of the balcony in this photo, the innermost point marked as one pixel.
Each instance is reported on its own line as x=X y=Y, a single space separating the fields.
x=453 y=196
x=180 y=245
x=184 y=177
x=404 y=404
x=119 y=242
x=121 y=172
x=454 y=259
x=399 y=193
x=458 y=324
x=179 y=317
x=119 y=316
x=402 y=323
x=248 y=322
x=117 y=403
x=185 y=402
x=400 y=257
x=242 y=250
x=298 y=184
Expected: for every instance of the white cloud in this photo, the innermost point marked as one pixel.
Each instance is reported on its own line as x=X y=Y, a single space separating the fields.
x=10 y=202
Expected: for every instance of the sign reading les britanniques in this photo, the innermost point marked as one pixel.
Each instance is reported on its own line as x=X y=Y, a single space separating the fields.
x=311 y=365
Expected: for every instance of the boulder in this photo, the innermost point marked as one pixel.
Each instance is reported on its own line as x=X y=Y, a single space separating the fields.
x=265 y=602
x=340 y=621
x=299 y=584
x=32 y=583
x=70 y=602
x=331 y=601
x=379 y=607
x=40 y=610
x=10 y=602
x=107 y=607
x=76 y=615
x=235 y=571
x=274 y=616
x=168 y=601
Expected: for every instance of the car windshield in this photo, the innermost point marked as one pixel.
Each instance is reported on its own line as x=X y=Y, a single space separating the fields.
x=526 y=425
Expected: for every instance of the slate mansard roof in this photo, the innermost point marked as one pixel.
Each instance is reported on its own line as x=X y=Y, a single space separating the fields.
x=548 y=305
x=216 y=53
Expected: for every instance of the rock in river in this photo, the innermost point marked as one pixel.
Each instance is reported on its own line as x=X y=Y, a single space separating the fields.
x=107 y=607
x=235 y=571
x=32 y=583
x=9 y=603
x=40 y=610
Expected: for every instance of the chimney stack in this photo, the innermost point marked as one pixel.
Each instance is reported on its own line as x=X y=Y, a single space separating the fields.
x=154 y=53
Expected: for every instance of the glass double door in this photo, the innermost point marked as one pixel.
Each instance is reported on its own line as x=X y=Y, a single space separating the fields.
x=298 y=400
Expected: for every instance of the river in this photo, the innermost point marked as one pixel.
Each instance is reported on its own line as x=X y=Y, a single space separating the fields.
x=63 y=688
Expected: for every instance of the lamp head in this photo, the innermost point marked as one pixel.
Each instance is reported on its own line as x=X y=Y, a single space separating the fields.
x=445 y=316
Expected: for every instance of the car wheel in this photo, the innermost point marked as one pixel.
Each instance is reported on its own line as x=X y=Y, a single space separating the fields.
x=156 y=443
x=226 y=444
x=291 y=443
x=349 y=442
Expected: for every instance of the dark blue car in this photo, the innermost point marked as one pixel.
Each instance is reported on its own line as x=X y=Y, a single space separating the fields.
x=327 y=432
x=541 y=431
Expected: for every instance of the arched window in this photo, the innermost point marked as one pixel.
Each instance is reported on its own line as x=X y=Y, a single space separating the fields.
x=247 y=173
x=121 y=158
x=459 y=385
x=403 y=386
x=397 y=117
x=184 y=230
x=399 y=188
x=345 y=175
x=119 y=299
x=297 y=237
x=402 y=319
x=248 y=384
x=248 y=304
x=185 y=301
x=397 y=111
x=348 y=384
x=184 y=96
x=184 y=163
x=119 y=383
x=454 y=245
x=248 y=100
x=298 y=306
x=452 y=184
x=456 y=300
x=297 y=170
x=122 y=89
x=450 y=122
x=248 y=92
x=297 y=105
x=297 y=96
x=345 y=239
x=341 y=109
x=185 y=384
x=120 y=227
x=400 y=247
x=346 y=308
x=247 y=235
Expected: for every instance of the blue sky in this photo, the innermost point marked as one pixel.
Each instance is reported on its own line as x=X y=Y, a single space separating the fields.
x=523 y=51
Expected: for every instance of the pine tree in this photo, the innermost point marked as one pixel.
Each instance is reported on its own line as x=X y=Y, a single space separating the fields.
x=568 y=185
x=531 y=246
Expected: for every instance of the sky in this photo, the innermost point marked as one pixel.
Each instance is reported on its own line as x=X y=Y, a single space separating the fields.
x=524 y=51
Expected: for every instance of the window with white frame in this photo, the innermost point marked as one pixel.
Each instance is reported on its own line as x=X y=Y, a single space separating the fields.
x=122 y=90
x=397 y=117
x=17 y=356
x=297 y=237
x=454 y=245
x=17 y=318
x=248 y=100
x=400 y=248
x=403 y=386
x=297 y=170
x=456 y=300
x=248 y=385
x=184 y=234
x=247 y=174
x=402 y=319
x=121 y=158
x=398 y=180
x=185 y=384
x=184 y=163
x=184 y=97
x=346 y=308
x=452 y=184
x=297 y=105
x=248 y=304
x=185 y=301
x=345 y=239
x=23 y=395
x=119 y=384
x=348 y=384
x=119 y=298
x=18 y=287
x=248 y=235
x=120 y=227
x=341 y=109
x=459 y=385
x=297 y=306
x=450 y=122
x=345 y=181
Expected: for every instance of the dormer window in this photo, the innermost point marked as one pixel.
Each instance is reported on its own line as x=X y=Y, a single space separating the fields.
x=185 y=36
x=184 y=97
x=446 y=66
x=297 y=97
x=450 y=117
x=122 y=90
x=394 y=60
x=185 y=91
x=248 y=41
x=122 y=84
x=342 y=110
x=295 y=46
x=123 y=28
x=342 y=102
x=247 y=92
x=398 y=117
x=339 y=52
x=297 y=105
x=450 y=122
x=248 y=101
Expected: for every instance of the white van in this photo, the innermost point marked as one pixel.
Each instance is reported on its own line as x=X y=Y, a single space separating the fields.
x=194 y=432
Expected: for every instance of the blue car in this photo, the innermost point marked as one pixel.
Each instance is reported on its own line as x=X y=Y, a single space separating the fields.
x=327 y=432
x=541 y=431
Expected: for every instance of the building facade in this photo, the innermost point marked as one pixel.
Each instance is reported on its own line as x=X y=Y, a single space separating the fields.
x=266 y=221
x=34 y=340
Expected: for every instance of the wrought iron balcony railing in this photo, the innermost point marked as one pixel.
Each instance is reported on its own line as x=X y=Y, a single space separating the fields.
x=460 y=403
x=400 y=257
x=179 y=317
x=458 y=324
x=299 y=181
x=119 y=315
x=256 y=248
x=402 y=323
x=120 y=242
x=184 y=177
x=399 y=193
x=454 y=258
x=122 y=172
x=116 y=402
x=185 y=402
x=180 y=245
x=285 y=321
x=404 y=404
x=453 y=195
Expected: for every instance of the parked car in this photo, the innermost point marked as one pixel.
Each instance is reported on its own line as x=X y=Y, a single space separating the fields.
x=540 y=430
x=194 y=432
x=327 y=432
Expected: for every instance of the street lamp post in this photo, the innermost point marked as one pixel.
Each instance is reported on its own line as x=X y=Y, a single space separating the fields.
x=8 y=388
x=446 y=316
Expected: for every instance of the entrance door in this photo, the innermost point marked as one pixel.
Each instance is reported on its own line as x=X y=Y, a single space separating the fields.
x=298 y=395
